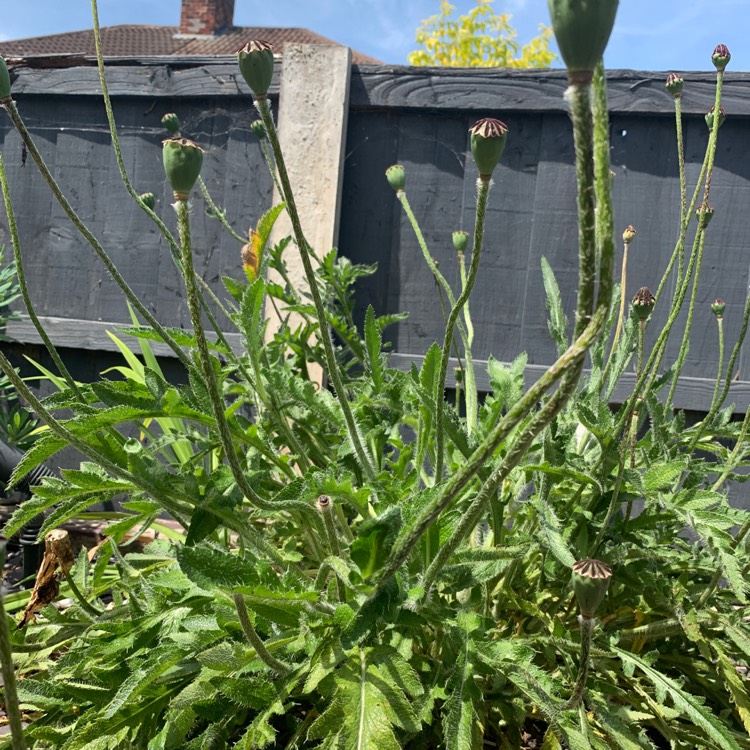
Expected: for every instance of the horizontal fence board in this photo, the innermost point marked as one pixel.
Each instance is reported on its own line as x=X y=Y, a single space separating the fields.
x=694 y=394
x=389 y=86
x=69 y=333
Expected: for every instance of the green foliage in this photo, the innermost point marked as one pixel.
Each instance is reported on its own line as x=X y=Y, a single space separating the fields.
x=327 y=587
x=482 y=38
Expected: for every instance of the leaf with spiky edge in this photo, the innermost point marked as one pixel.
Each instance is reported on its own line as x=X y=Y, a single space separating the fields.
x=209 y=567
x=327 y=657
x=550 y=533
x=261 y=732
x=464 y=711
x=45 y=447
x=177 y=725
x=473 y=570
x=557 y=322
x=373 y=344
x=255 y=692
x=734 y=684
x=689 y=704
x=622 y=733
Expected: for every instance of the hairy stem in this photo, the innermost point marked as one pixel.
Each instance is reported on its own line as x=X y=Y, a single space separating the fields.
x=254 y=639
x=579 y=689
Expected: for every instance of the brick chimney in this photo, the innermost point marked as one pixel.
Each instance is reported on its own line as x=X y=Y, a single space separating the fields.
x=206 y=17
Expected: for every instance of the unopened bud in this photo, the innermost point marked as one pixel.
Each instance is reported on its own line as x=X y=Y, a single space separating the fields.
x=705 y=213
x=148 y=200
x=171 y=122
x=629 y=234
x=721 y=57
x=643 y=303
x=259 y=130
x=710 y=117
x=674 y=85
x=717 y=308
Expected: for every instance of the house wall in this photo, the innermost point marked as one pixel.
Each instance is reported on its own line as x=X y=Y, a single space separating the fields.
x=419 y=118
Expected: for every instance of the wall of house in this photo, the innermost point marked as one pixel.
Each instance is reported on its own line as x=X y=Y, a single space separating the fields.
x=419 y=118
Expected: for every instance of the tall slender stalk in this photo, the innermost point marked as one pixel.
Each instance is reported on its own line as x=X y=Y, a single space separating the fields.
x=332 y=369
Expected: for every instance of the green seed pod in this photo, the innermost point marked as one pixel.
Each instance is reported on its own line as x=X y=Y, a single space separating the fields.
x=674 y=85
x=721 y=56
x=256 y=65
x=488 y=137
x=717 y=308
x=182 y=163
x=4 y=80
x=643 y=303
x=590 y=584
x=396 y=176
x=259 y=130
x=629 y=234
x=582 y=29
x=710 y=117
x=148 y=200
x=171 y=122
x=705 y=213
x=460 y=241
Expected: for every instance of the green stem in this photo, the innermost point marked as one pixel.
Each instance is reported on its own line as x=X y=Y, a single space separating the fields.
x=18 y=123
x=735 y=353
x=16 y=243
x=332 y=369
x=706 y=422
x=621 y=314
x=87 y=606
x=217 y=213
x=470 y=385
x=254 y=639
x=206 y=366
x=483 y=190
x=730 y=464
x=333 y=541
x=579 y=690
x=10 y=693
x=681 y=157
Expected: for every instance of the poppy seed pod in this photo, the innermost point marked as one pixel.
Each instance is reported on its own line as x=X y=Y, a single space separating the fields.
x=396 y=176
x=717 y=307
x=674 y=85
x=643 y=303
x=582 y=29
x=460 y=240
x=488 y=137
x=721 y=56
x=590 y=583
x=182 y=164
x=171 y=122
x=4 y=80
x=148 y=200
x=256 y=65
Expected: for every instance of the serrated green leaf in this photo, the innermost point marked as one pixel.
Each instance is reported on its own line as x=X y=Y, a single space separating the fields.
x=373 y=344
x=557 y=322
x=209 y=567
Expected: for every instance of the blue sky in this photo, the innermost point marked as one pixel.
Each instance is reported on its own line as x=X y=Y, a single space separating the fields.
x=649 y=34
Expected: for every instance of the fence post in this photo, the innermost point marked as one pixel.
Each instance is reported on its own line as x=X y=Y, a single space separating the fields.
x=312 y=119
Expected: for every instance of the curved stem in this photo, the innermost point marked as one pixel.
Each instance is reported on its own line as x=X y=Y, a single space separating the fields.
x=621 y=314
x=706 y=422
x=483 y=189
x=332 y=369
x=254 y=639
x=15 y=242
x=217 y=401
x=11 y=109
x=735 y=353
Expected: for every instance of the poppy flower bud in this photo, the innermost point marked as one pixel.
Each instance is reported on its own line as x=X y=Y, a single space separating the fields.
x=643 y=303
x=396 y=176
x=582 y=31
x=717 y=308
x=674 y=85
x=488 y=137
x=705 y=213
x=721 y=57
x=256 y=65
x=259 y=130
x=148 y=200
x=710 y=117
x=182 y=164
x=629 y=234
x=171 y=122
x=590 y=584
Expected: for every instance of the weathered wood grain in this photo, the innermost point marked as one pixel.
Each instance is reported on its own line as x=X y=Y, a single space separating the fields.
x=389 y=86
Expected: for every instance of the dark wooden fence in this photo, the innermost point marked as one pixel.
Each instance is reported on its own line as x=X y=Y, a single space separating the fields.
x=419 y=118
